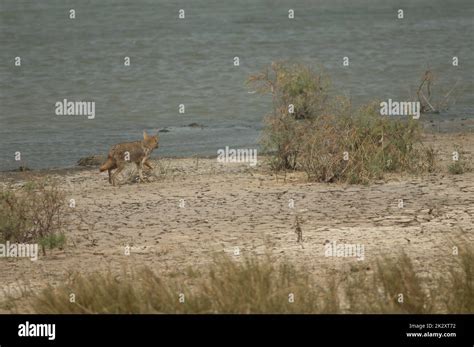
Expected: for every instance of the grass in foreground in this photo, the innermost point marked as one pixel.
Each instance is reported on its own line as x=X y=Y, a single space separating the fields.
x=255 y=285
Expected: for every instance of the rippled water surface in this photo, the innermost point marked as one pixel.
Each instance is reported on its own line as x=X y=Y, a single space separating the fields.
x=190 y=62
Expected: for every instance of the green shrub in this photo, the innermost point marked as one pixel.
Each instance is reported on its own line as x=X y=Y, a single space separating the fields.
x=459 y=166
x=34 y=213
x=52 y=241
x=294 y=84
x=329 y=140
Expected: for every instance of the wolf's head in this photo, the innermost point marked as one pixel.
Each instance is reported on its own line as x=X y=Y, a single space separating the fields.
x=150 y=142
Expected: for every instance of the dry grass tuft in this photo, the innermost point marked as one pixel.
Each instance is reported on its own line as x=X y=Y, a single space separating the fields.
x=262 y=285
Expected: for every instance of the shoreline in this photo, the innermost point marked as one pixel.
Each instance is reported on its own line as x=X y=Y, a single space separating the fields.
x=432 y=124
x=235 y=205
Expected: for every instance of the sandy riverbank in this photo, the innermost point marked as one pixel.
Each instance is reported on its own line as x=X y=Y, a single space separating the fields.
x=194 y=208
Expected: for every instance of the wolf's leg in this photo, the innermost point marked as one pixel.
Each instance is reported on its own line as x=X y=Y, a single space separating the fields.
x=140 y=169
x=120 y=167
x=148 y=165
x=110 y=176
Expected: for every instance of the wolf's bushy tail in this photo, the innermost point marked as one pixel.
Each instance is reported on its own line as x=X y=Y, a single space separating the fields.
x=107 y=165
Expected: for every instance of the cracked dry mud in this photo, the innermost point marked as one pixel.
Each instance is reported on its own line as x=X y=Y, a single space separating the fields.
x=233 y=205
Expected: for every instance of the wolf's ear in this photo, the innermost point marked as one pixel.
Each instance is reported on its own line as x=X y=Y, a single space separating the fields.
x=145 y=135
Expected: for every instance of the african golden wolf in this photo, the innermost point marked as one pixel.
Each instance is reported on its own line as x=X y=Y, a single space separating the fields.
x=137 y=152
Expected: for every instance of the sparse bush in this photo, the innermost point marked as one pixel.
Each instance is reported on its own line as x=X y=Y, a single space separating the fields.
x=34 y=213
x=294 y=84
x=52 y=241
x=323 y=128
x=458 y=167
x=428 y=104
x=373 y=145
